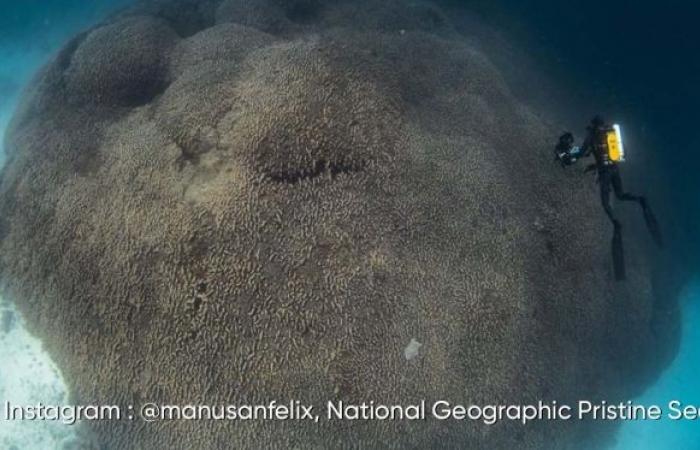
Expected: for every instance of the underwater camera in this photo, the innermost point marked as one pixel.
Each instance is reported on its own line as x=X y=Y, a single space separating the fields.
x=563 y=151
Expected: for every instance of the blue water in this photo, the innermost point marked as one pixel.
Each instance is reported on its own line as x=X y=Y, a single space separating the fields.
x=30 y=31
x=679 y=382
x=649 y=71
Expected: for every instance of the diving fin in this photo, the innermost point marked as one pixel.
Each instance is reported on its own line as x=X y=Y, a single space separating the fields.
x=652 y=224
x=618 y=254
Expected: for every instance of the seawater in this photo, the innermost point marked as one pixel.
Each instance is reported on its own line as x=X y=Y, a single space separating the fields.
x=679 y=382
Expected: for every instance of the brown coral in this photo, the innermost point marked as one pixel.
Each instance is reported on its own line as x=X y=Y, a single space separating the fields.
x=237 y=201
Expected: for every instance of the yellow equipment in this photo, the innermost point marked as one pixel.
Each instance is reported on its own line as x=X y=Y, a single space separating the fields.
x=616 y=148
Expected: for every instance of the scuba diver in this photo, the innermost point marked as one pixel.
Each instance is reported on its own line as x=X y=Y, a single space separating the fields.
x=604 y=142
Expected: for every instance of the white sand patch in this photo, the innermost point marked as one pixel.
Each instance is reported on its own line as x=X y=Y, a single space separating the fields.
x=28 y=377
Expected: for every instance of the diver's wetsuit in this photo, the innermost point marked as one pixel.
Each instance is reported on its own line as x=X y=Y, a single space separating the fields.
x=608 y=171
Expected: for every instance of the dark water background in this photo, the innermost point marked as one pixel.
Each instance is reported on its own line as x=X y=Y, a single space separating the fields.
x=634 y=61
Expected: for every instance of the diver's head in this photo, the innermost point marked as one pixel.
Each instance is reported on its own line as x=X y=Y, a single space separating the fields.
x=597 y=121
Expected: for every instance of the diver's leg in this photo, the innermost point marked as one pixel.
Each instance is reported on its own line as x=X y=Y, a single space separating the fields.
x=618 y=255
x=604 y=181
x=649 y=217
x=652 y=224
x=620 y=192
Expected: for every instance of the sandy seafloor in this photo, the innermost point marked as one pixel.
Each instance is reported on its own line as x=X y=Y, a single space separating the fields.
x=27 y=375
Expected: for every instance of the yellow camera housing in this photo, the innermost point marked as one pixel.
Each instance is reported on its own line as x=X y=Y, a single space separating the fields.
x=616 y=148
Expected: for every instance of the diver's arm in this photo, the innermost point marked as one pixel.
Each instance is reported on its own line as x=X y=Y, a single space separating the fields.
x=587 y=147
x=591 y=168
x=586 y=151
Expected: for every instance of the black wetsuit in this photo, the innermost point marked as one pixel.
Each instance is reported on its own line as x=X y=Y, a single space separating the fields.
x=608 y=172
